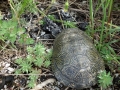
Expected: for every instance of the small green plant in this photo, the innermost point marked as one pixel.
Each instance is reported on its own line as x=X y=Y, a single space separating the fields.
x=32 y=78
x=104 y=79
x=66 y=6
x=10 y=31
x=25 y=39
x=36 y=57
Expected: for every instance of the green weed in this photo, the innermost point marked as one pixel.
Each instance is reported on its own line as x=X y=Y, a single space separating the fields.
x=66 y=6
x=11 y=31
x=104 y=79
x=36 y=57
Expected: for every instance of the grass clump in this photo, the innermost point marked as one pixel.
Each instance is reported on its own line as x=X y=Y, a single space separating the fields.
x=22 y=6
x=106 y=33
x=106 y=30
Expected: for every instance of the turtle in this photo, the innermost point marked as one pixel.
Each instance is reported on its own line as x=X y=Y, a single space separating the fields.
x=76 y=62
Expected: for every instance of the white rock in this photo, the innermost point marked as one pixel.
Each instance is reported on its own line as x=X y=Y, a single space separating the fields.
x=7 y=65
x=10 y=70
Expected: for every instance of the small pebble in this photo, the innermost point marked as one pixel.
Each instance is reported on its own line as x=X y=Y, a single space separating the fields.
x=7 y=65
x=10 y=70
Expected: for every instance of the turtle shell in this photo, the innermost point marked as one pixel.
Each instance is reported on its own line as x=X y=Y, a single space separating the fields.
x=75 y=61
